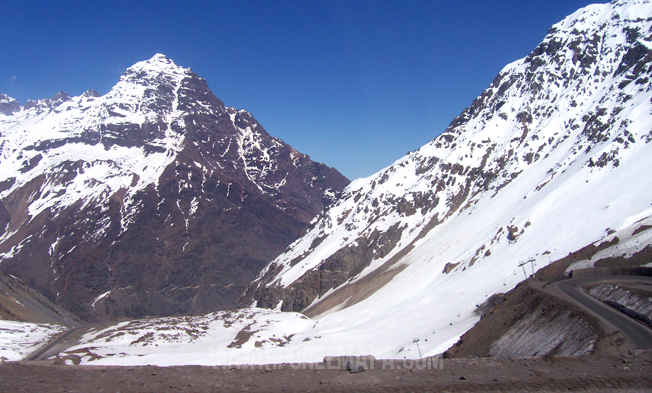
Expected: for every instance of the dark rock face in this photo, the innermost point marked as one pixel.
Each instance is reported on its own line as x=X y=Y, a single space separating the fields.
x=228 y=200
x=4 y=218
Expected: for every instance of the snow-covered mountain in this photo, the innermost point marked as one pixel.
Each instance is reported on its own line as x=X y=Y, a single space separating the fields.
x=551 y=159
x=553 y=156
x=153 y=199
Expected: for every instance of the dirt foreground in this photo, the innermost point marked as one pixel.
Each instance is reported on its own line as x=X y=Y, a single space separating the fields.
x=631 y=373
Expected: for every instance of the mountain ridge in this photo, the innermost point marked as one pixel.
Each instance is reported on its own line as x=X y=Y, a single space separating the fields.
x=545 y=173
x=535 y=168
x=128 y=166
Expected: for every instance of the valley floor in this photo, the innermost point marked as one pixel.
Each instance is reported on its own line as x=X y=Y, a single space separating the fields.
x=631 y=373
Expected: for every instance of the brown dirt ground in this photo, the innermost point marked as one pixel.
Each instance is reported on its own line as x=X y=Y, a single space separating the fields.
x=630 y=372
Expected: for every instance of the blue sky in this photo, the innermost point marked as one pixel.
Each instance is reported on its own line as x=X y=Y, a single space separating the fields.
x=354 y=84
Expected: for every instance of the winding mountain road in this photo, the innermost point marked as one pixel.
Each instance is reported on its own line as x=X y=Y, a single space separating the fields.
x=42 y=352
x=639 y=334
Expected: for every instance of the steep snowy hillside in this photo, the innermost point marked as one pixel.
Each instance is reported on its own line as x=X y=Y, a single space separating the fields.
x=553 y=156
x=153 y=199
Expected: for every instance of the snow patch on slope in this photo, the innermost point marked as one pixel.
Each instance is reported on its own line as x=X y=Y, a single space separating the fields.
x=19 y=339
x=252 y=336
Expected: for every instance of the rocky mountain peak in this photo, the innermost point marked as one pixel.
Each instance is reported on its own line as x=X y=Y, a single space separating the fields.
x=155 y=198
x=91 y=94
x=8 y=105
x=159 y=90
x=59 y=98
x=157 y=66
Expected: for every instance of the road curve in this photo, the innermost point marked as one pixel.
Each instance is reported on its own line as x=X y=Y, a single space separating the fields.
x=41 y=351
x=636 y=332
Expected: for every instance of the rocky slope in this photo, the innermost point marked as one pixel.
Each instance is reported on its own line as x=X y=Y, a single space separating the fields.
x=525 y=322
x=550 y=158
x=20 y=303
x=154 y=199
x=633 y=302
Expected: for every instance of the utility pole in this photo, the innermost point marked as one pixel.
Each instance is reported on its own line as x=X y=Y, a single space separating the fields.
x=532 y=260
x=416 y=341
x=522 y=265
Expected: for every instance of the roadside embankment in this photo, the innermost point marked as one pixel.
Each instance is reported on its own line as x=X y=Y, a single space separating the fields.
x=632 y=301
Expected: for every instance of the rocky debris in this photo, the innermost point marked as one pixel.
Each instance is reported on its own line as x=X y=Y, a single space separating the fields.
x=334 y=271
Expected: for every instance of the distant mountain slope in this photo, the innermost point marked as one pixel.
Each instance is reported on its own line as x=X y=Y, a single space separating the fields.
x=552 y=157
x=154 y=199
x=20 y=303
